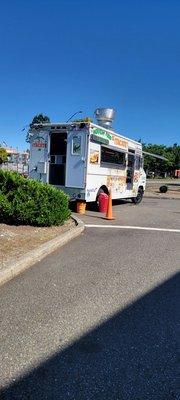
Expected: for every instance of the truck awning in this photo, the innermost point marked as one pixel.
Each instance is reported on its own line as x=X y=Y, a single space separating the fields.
x=155 y=155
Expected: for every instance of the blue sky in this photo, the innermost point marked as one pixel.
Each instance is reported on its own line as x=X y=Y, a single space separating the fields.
x=58 y=57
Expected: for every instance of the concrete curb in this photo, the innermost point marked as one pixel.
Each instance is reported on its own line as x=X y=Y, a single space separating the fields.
x=36 y=255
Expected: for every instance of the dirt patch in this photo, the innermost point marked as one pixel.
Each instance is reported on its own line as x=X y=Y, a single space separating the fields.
x=173 y=192
x=170 y=194
x=15 y=241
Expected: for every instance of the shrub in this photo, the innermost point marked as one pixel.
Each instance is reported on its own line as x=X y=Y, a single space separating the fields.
x=29 y=202
x=3 y=155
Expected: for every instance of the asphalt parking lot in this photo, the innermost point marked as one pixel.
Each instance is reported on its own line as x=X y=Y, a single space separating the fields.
x=99 y=318
x=155 y=213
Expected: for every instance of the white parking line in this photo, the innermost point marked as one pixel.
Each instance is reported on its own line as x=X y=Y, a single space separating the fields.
x=142 y=228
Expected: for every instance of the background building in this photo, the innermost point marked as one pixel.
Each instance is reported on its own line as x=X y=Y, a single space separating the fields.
x=17 y=160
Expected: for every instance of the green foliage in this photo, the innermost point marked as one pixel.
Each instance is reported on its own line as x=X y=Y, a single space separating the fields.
x=29 y=202
x=159 y=167
x=3 y=155
x=86 y=119
x=38 y=119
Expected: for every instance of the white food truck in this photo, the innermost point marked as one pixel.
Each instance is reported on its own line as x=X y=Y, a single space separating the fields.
x=85 y=159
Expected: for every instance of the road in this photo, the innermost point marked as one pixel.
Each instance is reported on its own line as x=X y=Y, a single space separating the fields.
x=98 y=319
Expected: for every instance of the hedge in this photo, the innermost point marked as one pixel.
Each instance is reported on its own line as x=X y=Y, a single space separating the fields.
x=29 y=202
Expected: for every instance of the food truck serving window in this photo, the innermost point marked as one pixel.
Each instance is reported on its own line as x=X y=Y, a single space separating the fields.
x=111 y=156
x=76 y=145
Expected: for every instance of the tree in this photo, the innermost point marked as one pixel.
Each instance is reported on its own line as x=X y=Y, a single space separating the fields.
x=38 y=119
x=176 y=153
x=3 y=155
x=160 y=167
x=86 y=119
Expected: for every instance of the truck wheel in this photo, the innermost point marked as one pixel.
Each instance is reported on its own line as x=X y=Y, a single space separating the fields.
x=139 y=197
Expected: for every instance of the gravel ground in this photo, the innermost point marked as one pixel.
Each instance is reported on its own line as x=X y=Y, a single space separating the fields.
x=153 y=185
x=170 y=194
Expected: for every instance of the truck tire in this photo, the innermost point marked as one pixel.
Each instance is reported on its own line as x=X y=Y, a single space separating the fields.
x=139 y=197
x=163 y=189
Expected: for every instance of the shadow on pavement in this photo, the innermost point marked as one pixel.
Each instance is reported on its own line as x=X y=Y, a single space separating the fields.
x=91 y=206
x=133 y=355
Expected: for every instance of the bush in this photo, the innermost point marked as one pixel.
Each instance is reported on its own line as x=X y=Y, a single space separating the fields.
x=29 y=202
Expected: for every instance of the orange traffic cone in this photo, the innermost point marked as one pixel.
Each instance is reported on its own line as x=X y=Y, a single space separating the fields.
x=109 y=214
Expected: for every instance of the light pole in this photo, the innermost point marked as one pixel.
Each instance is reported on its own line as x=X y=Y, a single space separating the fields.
x=77 y=112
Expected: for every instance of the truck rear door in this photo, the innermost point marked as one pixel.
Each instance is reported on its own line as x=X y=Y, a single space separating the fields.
x=76 y=159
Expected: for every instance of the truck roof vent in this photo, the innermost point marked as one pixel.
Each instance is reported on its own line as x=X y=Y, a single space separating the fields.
x=105 y=117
